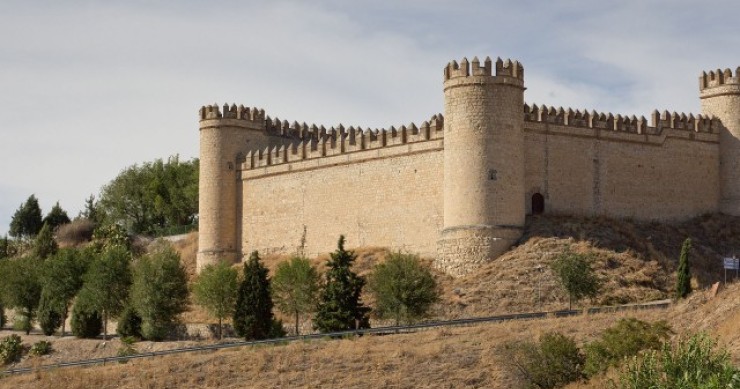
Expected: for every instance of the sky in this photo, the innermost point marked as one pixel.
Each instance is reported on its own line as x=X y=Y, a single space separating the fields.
x=88 y=88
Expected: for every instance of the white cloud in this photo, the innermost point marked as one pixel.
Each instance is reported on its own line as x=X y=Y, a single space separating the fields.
x=88 y=88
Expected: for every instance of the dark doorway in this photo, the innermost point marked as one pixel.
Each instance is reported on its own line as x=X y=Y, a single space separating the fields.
x=538 y=204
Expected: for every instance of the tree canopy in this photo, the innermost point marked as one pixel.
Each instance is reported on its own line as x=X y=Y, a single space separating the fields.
x=215 y=290
x=404 y=289
x=576 y=275
x=56 y=217
x=106 y=284
x=295 y=288
x=159 y=292
x=26 y=221
x=152 y=196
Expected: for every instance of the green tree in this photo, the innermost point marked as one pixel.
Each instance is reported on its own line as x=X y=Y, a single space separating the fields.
x=106 y=284
x=153 y=196
x=21 y=288
x=86 y=321
x=253 y=317
x=49 y=319
x=215 y=290
x=689 y=363
x=576 y=276
x=44 y=244
x=56 y=217
x=90 y=210
x=159 y=292
x=683 y=279
x=404 y=289
x=340 y=307
x=129 y=323
x=551 y=363
x=26 y=221
x=295 y=288
x=61 y=278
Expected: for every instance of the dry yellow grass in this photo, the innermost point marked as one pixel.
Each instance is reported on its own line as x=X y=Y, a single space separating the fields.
x=439 y=358
x=635 y=259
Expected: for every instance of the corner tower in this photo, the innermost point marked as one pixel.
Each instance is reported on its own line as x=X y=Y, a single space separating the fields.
x=223 y=140
x=484 y=197
x=720 y=97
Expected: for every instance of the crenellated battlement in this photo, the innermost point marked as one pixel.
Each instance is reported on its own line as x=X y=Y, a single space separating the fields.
x=317 y=141
x=506 y=68
x=623 y=123
x=718 y=77
x=241 y=112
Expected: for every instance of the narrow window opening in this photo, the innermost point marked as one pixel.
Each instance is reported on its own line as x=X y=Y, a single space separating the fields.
x=538 y=204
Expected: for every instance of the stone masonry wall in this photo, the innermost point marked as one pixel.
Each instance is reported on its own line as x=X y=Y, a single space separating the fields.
x=388 y=197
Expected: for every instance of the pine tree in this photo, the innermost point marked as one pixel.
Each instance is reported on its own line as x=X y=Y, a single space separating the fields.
x=26 y=221
x=56 y=217
x=340 y=307
x=683 y=279
x=253 y=318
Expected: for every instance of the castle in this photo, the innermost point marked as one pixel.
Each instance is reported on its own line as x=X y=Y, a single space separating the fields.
x=458 y=187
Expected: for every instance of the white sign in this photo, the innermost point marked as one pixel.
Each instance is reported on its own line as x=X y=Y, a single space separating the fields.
x=732 y=263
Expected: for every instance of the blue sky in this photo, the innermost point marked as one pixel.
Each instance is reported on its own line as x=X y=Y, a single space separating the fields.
x=90 y=87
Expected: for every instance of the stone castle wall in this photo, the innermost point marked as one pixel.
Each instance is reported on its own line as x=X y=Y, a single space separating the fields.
x=265 y=182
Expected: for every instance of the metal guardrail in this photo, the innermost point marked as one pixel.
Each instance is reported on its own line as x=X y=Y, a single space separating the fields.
x=367 y=331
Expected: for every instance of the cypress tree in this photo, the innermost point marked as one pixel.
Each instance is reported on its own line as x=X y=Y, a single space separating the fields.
x=683 y=279
x=340 y=307
x=44 y=244
x=253 y=318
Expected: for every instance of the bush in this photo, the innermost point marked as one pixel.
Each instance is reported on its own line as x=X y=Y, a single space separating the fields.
x=553 y=362
x=75 y=233
x=690 y=363
x=11 y=348
x=129 y=324
x=576 y=276
x=40 y=348
x=625 y=339
x=127 y=348
x=86 y=322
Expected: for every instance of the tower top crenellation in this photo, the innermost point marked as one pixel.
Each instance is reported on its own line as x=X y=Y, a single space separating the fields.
x=465 y=68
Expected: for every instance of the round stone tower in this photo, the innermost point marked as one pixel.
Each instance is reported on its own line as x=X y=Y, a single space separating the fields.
x=720 y=97
x=484 y=197
x=223 y=140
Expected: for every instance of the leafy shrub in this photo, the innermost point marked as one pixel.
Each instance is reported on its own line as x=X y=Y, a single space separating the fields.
x=86 y=323
x=77 y=232
x=40 y=348
x=11 y=348
x=690 y=363
x=625 y=339
x=553 y=362
x=129 y=324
